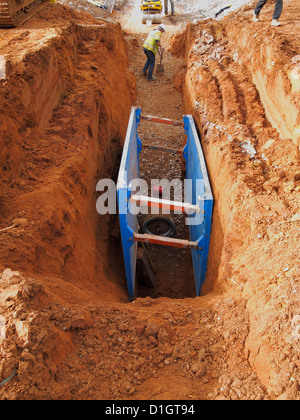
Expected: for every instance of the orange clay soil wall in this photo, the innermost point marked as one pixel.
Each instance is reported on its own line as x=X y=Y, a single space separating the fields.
x=271 y=58
x=70 y=331
x=248 y=119
x=64 y=115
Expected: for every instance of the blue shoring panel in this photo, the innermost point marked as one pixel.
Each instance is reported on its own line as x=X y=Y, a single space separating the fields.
x=129 y=170
x=198 y=192
x=201 y=195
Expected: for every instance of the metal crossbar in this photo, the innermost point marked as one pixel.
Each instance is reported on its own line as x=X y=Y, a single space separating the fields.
x=165 y=204
x=161 y=120
x=163 y=149
x=161 y=240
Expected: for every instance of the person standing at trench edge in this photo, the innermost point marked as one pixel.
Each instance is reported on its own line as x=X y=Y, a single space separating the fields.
x=276 y=14
x=151 y=47
x=172 y=7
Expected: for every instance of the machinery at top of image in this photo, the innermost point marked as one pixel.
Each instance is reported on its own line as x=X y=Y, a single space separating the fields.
x=152 y=11
x=14 y=12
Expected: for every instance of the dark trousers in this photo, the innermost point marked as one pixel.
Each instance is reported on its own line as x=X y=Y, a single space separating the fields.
x=277 y=10
x=172 y=6
x=150 y=63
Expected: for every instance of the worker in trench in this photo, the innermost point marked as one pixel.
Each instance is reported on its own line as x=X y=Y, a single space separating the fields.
x=151 y=47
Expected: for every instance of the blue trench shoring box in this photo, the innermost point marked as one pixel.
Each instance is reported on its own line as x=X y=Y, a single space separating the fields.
x=199 y=193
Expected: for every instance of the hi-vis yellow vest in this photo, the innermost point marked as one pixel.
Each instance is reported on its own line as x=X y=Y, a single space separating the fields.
x=150 y=43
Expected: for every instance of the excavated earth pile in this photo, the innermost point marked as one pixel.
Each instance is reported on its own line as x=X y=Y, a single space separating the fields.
x=67 y=330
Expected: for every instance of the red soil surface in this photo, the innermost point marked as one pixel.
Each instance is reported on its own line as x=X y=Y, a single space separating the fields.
x=70 y=332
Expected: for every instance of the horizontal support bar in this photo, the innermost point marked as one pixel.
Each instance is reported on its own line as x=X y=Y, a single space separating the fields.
x=162 y=240
x=161 y=120
x=163 y=148
x=165 y=204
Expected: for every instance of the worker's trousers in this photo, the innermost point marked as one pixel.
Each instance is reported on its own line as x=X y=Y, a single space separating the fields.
x=172 y=6
x=150 y=63
x=277 y=10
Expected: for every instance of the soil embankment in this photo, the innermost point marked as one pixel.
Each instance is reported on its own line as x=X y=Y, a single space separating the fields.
x=70 y=332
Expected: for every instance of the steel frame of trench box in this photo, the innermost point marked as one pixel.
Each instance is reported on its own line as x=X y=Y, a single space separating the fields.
x=199 y=207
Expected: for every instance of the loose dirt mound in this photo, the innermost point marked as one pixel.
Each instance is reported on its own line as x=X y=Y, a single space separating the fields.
x=68 y=331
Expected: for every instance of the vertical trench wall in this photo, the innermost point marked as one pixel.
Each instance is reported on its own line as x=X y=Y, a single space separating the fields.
x=239 y=262
x=66 y=105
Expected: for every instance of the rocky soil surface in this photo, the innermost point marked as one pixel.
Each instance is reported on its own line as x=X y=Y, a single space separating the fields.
x=67 y=330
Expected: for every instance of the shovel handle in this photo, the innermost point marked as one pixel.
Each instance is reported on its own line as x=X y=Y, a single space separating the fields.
x=161 y=55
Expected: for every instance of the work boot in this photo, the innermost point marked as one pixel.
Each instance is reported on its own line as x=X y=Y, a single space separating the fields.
x=152 y=79
x=255 y=17
x=144 y=73
x=275 y=23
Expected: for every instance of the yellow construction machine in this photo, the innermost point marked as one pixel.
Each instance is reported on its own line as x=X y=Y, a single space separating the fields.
x=151 y=11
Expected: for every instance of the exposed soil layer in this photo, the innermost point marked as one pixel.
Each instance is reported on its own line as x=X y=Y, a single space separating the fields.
x=70 y=332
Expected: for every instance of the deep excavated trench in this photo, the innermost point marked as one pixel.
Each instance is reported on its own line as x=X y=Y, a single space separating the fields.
x=173 y=271
x=64 y=119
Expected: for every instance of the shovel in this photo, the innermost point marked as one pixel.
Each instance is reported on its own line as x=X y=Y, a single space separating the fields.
x=160 y=67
